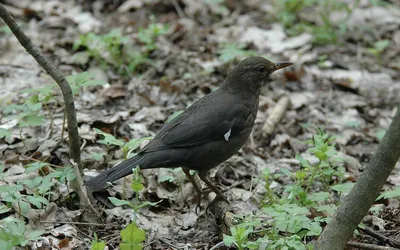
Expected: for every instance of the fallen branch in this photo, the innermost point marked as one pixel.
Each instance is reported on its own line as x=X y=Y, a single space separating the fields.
x=276 y=116
x=380 y=237
x=360 y=245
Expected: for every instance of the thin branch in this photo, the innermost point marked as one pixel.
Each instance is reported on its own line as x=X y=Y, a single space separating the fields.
x=366 y=246
x=72 y=125
x=56 y=75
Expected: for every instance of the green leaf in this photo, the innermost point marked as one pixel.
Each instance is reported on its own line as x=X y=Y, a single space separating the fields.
x=228 y=240
x=34 y=235
x=135 y=143
x=390 y=194
x=24 y=206
x=4 y=133
x=314 y=229
x=303 y=162
x=31 y=120
x=82 y=77
x=229 y=52
x=286 y=172
x=380 y=46
x=300 y=175
x=118 y=202
x=33 y=103
x=108 y=139
x=97 y=245
x=93 y=83
x=6 y=30
x=379 y=134
x=37 y=201
x=35 y=182
x=343 y=188
x=32 y=167
x=147 y=203
x=4 y=209
x=69 y=173
x=165 y=178
x=97 y=156
x=45 y=186
x=137 y=186
x=11 y=233
x=174 y=115
x=133 y=236
x=320 y=196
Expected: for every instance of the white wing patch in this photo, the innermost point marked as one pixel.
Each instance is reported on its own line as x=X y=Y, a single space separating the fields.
x=227 y=135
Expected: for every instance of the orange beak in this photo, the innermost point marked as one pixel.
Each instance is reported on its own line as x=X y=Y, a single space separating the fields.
x=281 y=65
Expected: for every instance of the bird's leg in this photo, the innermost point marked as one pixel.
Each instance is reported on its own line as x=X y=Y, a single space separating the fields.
x=195 y=185
x=203 y=177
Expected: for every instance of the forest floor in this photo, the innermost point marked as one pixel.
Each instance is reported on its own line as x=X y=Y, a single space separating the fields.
x=149 y=59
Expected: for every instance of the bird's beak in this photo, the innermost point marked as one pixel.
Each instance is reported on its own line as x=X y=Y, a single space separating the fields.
x=281 y=65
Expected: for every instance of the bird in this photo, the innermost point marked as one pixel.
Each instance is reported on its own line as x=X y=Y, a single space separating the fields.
x=207 y=133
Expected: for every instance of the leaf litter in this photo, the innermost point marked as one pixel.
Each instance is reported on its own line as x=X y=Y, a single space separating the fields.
x=351 y=89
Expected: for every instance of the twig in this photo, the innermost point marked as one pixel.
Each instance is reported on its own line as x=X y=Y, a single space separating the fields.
x=218 y=245
x=384 y=239
x=360 y=245
x=76 y=223
x=80 y=189
x=276 y=116
x=178 y=9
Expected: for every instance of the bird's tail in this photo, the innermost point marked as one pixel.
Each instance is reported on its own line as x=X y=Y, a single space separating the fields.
x=121 y=170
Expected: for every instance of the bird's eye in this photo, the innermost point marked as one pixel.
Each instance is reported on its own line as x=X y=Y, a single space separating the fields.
x=262 y=69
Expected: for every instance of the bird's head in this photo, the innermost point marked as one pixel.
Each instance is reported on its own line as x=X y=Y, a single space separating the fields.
x=253 y=71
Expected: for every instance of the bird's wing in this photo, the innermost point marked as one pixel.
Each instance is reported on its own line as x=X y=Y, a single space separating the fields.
x=189 y=129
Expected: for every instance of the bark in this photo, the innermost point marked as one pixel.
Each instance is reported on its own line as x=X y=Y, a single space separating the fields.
x=356 y=205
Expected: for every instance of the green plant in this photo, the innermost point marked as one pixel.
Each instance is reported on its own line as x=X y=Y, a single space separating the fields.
x=322 y=147
x=230 y=51
x=41 y=186
x=217 y=7
x=136 y=186
x=290 y=221
x=96 y=244
x=173 y=116
x=83 y=80
x=288 y=10
x=127 y=147
x=105 y=49
x=13 y=196
x=378 y=48
x=171 y=177
x=242 y=234
x=270 y=197
x=29 y=112
x=132 y=237
x=5 y=133
x=5 y=29
x=324 y=31
x=149 y=35
x=120 y=51
x=14 y=232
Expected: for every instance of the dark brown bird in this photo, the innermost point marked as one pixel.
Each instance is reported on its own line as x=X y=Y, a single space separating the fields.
x=207 y=133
